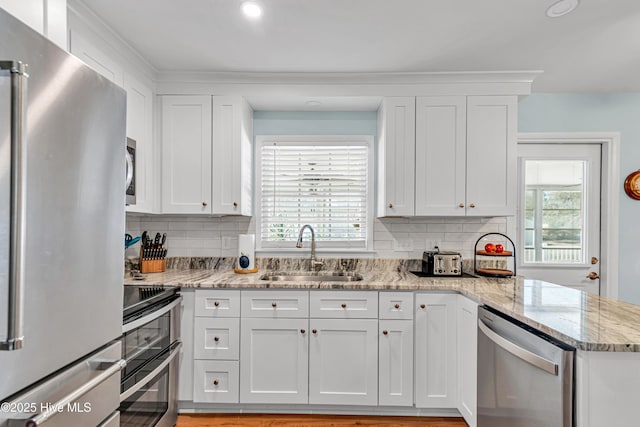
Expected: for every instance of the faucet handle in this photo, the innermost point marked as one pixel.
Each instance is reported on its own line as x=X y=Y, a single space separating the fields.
x=315 y=265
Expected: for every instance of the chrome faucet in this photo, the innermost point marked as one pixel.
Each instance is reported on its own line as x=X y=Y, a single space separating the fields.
x=314 y=265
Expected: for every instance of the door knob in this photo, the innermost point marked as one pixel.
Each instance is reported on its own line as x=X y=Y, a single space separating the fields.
x=461 y=205
x=390 y=205
x=472 y=205
x=204 y=203
x=235 y=204
x=593 y=275
x=594 y=260
x=302 y=331
x=385 y=332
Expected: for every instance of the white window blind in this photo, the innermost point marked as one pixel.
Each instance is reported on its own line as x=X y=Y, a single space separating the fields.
x=321 y=183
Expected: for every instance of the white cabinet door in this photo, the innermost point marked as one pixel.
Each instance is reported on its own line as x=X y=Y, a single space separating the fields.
x=343 y=362
x=186 y=154
x=435 y=351
x=467 y=358
x=491 y=155
x=185 y=369
x=395 y=371
x=139 y=128
x=274 y=361
x=48 y=17
x=396 y=156
x=441 y=155
x=232 y=156
x=95 y=57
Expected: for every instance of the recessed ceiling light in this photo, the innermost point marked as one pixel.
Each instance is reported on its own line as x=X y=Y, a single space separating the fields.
x=313 y=103
x=252 y=9
x=561 y=8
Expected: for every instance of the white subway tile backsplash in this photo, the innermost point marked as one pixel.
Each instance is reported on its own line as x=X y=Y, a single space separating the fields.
x=207 y=236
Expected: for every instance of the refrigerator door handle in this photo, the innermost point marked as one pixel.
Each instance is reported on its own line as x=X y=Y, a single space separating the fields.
x=43 y=417
x=139 y=384
x=519 y=352
x=15 y=285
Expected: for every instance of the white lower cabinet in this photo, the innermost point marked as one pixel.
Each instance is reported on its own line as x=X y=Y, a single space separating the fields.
x=467 y=358
x=343 y=361
x=274 y=360
x=185 y=369
x=395 y=367
x=435 y=351
x=215 y=381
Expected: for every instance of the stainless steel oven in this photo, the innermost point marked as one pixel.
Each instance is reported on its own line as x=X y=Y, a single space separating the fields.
x=150 y=345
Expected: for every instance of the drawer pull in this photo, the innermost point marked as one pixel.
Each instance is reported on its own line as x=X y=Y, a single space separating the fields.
x=397 y=306
x=385 y=332
x=216 y=382
x=216 y=303
x=461 y=205
x=423 y=306
x=235 y=204
x=472 y=205
x=204 y=203
x=302 y=331
x=343 y=305
x=315 y=331
x=274 y=305
x=216 y=339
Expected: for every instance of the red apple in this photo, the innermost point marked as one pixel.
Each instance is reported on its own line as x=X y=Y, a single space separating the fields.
x=490 y=248
x=499 y=248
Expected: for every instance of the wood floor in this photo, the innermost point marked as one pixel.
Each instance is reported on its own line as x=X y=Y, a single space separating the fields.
x=260 y=420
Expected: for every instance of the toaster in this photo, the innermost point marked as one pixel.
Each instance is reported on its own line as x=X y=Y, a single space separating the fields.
x=441 y=263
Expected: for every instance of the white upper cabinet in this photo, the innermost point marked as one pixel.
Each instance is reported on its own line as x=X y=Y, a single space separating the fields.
x=140 y=128
x=186 y=154
x=465 y=155
x=492 y=125
x=396 y=156
x=95 y=57
x=441 y=155
x=232 y=156
x=48 y=17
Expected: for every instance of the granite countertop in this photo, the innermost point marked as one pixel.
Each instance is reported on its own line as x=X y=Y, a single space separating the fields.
x=585 y=321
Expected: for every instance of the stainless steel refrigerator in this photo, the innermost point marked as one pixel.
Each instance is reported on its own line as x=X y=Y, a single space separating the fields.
x=62 y=182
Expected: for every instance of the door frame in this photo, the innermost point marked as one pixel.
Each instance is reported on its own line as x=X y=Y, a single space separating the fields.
x=609 y=201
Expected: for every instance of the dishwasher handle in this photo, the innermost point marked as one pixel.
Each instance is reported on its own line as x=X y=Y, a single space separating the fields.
x=521 y=353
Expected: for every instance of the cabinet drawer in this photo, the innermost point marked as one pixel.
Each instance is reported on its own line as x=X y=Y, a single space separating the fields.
x=396 y=305
x=344 y=305
x=275 y=304
x=216 y=338
x=215 y=303
x=215 y=381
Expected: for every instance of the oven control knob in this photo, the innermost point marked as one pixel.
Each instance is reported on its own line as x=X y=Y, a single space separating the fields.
x=244 y=261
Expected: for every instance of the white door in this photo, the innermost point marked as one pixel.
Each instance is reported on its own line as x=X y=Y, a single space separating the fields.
x=435 y=351
x=559 y=214
x=274 y=361
x=343 y=362
x=395 y=372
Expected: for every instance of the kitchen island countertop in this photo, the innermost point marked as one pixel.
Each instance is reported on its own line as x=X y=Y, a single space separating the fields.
x=584 y=321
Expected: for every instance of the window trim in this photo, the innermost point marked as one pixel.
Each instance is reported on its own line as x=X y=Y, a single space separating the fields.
x=367 y=140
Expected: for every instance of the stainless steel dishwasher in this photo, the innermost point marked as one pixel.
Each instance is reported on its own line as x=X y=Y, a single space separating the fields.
x=525 y=378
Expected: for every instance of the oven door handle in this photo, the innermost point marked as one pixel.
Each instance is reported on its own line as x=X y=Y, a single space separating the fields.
x=139 y=384
x=150 y=317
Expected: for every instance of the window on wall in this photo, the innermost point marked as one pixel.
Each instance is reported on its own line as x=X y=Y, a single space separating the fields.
x=323 y=181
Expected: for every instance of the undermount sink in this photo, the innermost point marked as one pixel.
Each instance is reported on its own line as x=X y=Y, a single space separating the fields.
x=308 y=276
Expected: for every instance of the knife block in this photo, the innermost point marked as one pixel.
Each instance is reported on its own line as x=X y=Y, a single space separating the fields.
x=152 y=265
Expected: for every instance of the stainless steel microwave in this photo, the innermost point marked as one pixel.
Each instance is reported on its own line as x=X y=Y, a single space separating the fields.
x=131 y=172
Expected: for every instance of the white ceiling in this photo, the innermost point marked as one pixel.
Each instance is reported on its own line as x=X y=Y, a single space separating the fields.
x=594 y=49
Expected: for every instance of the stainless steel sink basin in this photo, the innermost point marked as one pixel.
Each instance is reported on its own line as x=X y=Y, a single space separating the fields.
x=307 y=276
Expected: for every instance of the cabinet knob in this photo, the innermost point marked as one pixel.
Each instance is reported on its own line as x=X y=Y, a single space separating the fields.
x=343 y=305
x=397 y=306
x=216 y=303
x=216 y=382
x=204 y=203
x=216 y=339
x=235 y=204
x=314 y=331
x=274 y=305
x=461 y=205
x=423 y=306
x=385 y=332
x=302 y=331
x=472 y=205
x=390 y=205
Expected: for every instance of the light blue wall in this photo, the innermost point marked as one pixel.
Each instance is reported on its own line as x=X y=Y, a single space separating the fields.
x=599 y=113
x=314 y=123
